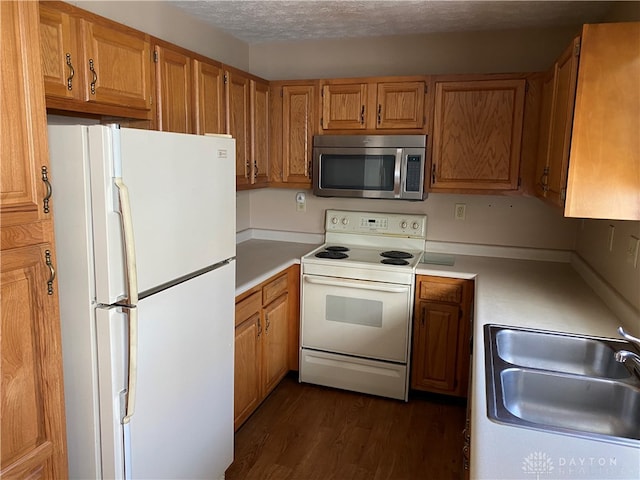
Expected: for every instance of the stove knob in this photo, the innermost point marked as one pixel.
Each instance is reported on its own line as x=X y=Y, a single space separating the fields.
x=403 y=224
x=334 y=220
x=345 y=221
x=415 y=225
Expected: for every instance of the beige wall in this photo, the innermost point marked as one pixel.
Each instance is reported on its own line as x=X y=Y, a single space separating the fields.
x=161 y=20
x=460 y=52
x=593 y=246
x=490 y=220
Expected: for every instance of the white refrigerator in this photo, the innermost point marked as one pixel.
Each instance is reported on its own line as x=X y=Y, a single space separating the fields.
x=145 y=245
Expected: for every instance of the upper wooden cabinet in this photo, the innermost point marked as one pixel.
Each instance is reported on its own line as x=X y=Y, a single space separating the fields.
x=247 y=101
x=93 y=65
x=604 y=166
x=174 y=108
x=374 y=104
x=260 y=93
x=189 y=91
x=556 y=115
x=238 y=96
x=293 y=124
x=477 y=134
x=209 y=97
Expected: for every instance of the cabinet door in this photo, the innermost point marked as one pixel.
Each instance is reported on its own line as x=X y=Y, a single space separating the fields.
x=343 y=106
x=23 y=126
x=477 y=134
x=565 y=75
x=61 y=65
x=542 y=164
x=173 y=90
x=604 y=167
x=238 y=117
x=297 y=132
x=400 y=105
x=435 y=347
x=209 y=98
x=33 y=422
x=117 y=66
x=259 y=132
x=247 y=369
x=275 y=353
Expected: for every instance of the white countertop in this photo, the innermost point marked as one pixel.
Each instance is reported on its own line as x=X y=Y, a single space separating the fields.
x=543 y=295
x=258 y=260
x=540 y=294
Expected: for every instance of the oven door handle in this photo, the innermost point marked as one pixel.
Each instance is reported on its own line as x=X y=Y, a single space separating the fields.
x=361 y=286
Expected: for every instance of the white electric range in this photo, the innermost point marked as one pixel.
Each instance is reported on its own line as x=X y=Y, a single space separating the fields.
x=357 y=302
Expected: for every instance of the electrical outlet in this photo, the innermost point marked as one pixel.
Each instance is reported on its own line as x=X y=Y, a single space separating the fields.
x=301 y=202
x=632 y=251
x=460 y=211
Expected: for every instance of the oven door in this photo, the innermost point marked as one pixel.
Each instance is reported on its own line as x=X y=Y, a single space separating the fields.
x=355 y=317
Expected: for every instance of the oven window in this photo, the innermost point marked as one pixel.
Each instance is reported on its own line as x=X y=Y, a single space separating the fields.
x=357 y=172
x=358 y=311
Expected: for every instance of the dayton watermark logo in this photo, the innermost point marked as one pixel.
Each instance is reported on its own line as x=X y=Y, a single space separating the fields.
x=537 y=463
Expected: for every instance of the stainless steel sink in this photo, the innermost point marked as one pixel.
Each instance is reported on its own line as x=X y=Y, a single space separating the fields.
x=571 y=402
x=561 y=383
x=564 y=353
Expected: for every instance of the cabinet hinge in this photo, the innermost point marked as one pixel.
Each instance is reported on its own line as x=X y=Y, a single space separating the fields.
x=226 y=78
x=576 y=50
x=155 y=56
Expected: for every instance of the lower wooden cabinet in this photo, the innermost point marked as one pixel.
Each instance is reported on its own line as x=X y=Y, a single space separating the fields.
x=441 y=334
x=266 y=332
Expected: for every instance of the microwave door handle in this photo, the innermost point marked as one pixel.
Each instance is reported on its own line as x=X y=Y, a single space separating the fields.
x=397 y=180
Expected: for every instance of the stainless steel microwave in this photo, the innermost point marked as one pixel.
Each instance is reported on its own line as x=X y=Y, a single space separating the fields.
x=369 y=166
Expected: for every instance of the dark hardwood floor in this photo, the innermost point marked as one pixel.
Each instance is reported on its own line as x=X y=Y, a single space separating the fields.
x=307 y=432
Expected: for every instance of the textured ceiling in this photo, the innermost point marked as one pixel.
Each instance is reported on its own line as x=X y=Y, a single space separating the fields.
x=285 y=20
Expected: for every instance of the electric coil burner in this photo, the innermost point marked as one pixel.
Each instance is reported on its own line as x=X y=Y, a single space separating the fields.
x=357 y=298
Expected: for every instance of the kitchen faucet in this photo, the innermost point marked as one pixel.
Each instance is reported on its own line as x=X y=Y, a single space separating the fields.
x=623 y=355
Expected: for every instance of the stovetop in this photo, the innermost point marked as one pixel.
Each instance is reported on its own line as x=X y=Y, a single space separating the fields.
x=364 y=257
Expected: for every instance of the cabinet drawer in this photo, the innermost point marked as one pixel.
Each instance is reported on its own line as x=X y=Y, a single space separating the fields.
x=248 y=307
x=274 y=289
x=441 y=290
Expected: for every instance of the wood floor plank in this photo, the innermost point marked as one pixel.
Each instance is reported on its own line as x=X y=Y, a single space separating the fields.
x=307 y=432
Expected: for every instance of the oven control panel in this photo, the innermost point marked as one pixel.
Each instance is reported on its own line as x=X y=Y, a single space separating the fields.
x=376 y=223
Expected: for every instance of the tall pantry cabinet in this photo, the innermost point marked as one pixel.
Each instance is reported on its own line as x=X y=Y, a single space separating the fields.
x=33 y=434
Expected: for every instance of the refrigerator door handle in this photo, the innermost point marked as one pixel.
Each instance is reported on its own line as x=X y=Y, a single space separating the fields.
x=132 y=288
x=133 y=366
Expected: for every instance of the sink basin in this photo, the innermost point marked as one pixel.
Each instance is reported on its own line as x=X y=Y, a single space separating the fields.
x=561 y=383
x=563 y=353
x=571 y=403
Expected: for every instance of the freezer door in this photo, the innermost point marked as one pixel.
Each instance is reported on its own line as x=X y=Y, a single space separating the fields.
x=182 y=203
x=183 y=421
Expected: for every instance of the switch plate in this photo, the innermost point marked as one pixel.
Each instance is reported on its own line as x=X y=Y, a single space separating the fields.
x=632 y=251
x=460 y=211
